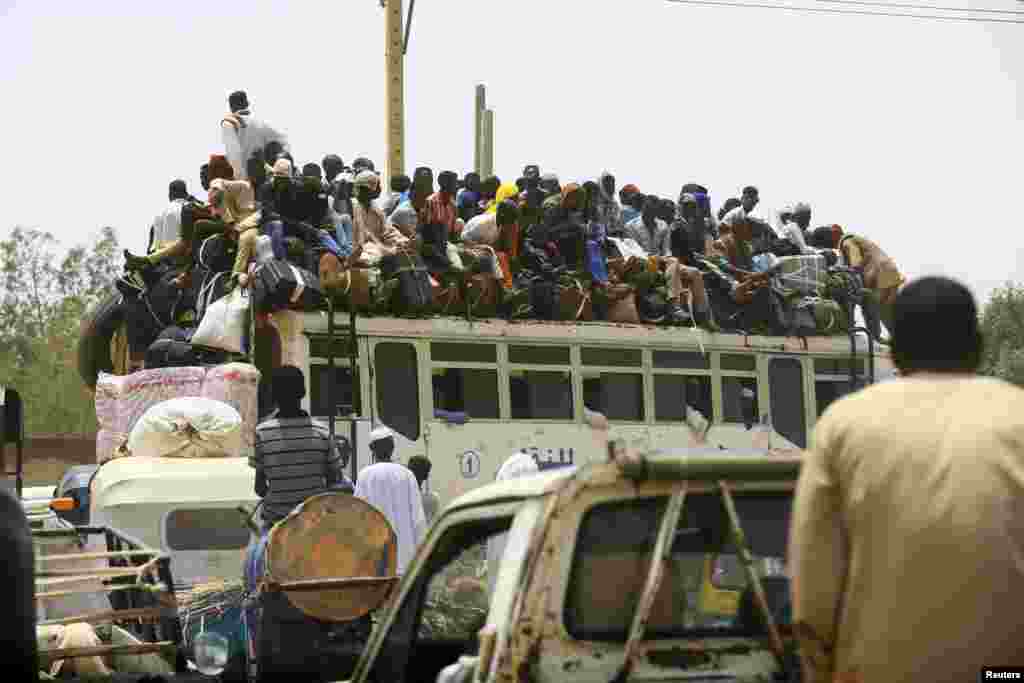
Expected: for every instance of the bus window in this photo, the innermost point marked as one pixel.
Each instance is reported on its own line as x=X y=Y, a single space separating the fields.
x=786 y=387
x=744 y=363
x=618 y=396
x=463 y=353
x=471 y=391
x=343 y=389
x=398 y=396
x=680 y=360
x=672 y=393
x=828 y=391
x=732 y=395
x=539 y=355
x=612 y=357
x=541 y=395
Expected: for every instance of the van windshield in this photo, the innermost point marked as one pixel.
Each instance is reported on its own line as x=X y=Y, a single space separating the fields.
x=704 y=591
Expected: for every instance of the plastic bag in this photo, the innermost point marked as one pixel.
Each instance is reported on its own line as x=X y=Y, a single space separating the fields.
x=225 y=322
x=191 y=427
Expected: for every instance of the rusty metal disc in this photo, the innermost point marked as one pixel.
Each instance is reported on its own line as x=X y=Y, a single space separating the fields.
x=333 y=536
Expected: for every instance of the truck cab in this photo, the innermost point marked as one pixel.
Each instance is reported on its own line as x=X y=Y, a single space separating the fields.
x=576 y=595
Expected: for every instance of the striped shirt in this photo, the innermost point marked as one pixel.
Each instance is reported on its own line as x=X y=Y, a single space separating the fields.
x=295 y=455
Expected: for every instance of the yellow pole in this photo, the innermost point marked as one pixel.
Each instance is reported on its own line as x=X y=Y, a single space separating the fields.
x=394 y=91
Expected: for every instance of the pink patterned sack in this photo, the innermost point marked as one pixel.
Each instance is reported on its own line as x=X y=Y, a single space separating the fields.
x=236 y=384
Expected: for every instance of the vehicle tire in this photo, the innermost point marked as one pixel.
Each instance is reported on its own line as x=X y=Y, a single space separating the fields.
x=96 y=332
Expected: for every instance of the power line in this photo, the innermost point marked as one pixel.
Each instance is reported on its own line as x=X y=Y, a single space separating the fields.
x=912 y=6
x=825 y=10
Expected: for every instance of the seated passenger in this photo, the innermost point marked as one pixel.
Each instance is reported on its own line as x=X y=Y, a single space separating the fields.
x=170 y=236
x=626 y=196
x=234 y=202
x=440 y=207
x=373 y=235
x=652 y=233
x=734 y=252
x=388 y=202
x=794 y=227
x=406 y=216
x=243 y=134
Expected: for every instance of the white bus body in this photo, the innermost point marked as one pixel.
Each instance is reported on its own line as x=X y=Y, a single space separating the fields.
x=525 y=386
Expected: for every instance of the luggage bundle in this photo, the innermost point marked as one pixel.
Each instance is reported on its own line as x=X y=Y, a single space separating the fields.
x=188 y=427
x=122 y=400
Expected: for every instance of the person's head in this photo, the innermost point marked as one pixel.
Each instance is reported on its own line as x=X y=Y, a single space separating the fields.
x=204 y=176
x=651 y=209
x=272 y=150
x=401 y=183
x=572 y=197
x=730 y=204
x=531 y=172
x=422 y=187
x=472 y=182
x=489 y=186
x=220 y=167
x=608 y=183
x=311 y=170
x=508 y=213
x=550 y=184
x=626 y=194
x=362 y=164
x=825 y=237
x=420 y=467
x=367 y=187
x=447 y=182
x=238 y=101
x=802 y=215
x=936 y=328
x=288 y=386
x=282 y=169
x=749 y=198
x=382 y=444
x=177 y=190
x=688 y=206
x=333 y=165
x=668 y=210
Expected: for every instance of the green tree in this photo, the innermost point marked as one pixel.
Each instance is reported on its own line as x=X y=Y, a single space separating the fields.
x=44 y=300
x=1002 y=323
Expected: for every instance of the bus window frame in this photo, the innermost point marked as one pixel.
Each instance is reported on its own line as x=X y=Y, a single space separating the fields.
x=652 y=372
x=466 y=365
x=759 y=375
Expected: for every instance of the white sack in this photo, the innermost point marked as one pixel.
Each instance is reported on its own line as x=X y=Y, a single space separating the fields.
x=225 y=322
x=190 y=427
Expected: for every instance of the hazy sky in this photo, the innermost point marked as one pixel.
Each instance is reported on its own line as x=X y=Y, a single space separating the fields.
x=910 y=132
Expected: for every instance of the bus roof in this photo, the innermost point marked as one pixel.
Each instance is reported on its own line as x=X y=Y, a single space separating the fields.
x=447 y=328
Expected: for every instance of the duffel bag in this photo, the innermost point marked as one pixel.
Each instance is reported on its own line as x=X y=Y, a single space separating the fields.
x=652 y=306
x=543 y=299
x=174 y=353
x=412 y=295
x=622 y=304
x=574 y=301
x=830 y=317
x=280 y=284
x=446 y=297
x=482 y=291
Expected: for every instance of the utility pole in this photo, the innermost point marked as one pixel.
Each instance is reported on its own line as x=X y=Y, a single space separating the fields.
x=483 y=134
x=394 y=91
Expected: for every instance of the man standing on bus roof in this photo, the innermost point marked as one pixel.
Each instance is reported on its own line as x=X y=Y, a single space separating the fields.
x=394 y=491
x=908 y=527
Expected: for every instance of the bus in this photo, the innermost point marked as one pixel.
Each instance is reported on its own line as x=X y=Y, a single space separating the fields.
x=467 y=394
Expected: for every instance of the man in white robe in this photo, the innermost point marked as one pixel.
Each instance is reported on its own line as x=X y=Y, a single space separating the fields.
x=519 y=465
x=393 y=489
x=243 y=134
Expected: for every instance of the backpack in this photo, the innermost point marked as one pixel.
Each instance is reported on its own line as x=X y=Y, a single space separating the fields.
x=543 y=299
x=412 y=295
